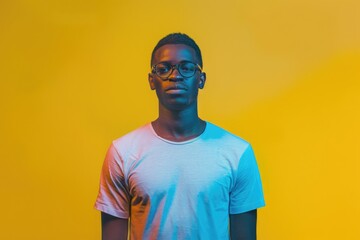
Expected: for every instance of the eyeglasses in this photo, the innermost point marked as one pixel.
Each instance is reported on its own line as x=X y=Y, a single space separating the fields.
x=185 y=69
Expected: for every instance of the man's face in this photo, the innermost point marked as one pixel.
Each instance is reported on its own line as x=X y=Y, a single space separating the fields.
x=176 y=92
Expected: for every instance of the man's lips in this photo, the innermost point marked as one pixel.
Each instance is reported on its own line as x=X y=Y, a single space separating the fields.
x=176 y=89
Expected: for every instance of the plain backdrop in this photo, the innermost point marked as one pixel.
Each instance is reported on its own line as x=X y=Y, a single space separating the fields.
x=284 y=75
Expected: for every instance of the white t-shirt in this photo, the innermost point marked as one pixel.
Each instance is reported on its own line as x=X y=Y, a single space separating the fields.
x=179 y=190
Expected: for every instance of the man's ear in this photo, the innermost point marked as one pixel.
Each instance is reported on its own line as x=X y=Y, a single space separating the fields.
x=202 y=80
x=151 y=81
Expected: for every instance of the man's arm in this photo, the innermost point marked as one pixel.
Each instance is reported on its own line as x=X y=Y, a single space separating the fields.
x=243 y=225
x=113 y=228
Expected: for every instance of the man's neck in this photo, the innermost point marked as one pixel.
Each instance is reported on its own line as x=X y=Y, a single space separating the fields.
x=178 y=125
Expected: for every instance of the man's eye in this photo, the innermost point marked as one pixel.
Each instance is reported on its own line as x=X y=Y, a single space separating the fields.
x=187 y=68
x=162 y=69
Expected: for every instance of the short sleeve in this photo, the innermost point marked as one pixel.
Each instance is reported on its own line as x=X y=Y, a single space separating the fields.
x=246 y=193
x=113 y=197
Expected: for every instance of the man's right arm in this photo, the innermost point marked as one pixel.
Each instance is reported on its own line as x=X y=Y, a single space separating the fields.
x=113 y=228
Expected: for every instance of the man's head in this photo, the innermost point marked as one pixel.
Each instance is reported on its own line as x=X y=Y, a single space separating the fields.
x=178 y=38
x=176 y=72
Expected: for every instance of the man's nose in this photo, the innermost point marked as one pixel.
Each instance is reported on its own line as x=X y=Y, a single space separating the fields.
x=175 y=75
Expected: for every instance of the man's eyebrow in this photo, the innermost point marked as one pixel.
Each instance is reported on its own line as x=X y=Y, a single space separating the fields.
x=183 y=61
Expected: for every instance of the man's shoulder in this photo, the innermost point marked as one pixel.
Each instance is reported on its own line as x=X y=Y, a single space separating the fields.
x=139 y=134
x=217 y=131
x=225 y=137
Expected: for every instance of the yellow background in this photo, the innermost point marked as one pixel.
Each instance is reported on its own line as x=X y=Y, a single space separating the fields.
x=283 y=75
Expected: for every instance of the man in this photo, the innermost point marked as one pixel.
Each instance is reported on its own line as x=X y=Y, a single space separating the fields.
x=179 y=177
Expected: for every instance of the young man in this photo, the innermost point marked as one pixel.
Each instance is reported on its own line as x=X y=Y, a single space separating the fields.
x=179 y=177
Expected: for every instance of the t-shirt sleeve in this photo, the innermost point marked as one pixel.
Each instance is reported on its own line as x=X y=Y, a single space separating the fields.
x=246 y=193
x=113 y=197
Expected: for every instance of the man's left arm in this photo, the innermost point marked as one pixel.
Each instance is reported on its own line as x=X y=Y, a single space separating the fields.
x=243 y=225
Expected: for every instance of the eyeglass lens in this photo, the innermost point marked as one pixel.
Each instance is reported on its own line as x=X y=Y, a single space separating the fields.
x=186 y=69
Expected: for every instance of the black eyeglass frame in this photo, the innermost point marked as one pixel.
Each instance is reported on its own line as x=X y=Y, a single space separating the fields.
x=153 y=69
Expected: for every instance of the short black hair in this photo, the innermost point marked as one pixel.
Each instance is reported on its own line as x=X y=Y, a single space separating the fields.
x=178 y=38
